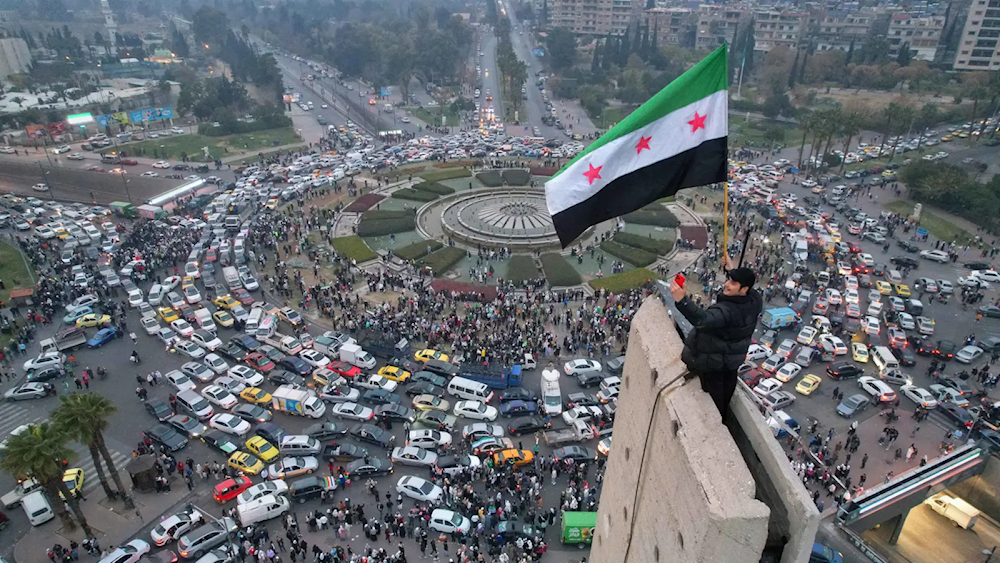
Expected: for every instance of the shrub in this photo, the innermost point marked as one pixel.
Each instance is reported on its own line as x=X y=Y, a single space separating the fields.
x=625 y=281
x=521 y=267
x=354 y=247
x=376 y=223
x=414 y=195
x=440 y=261
x=364 y=203
x=452 y=164
x=655 y=245
x=516 y=177
x=445 y=174
x=559 y=271
x=544 y=170
x=434 y=188
x=635 y=256
x=655 y=215
x=417 y=249
x=490 y=178
x=373 y=214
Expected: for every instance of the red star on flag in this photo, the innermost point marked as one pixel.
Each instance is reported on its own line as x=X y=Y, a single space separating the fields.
x=642 y=144
x=593 y=173
x=698 y=122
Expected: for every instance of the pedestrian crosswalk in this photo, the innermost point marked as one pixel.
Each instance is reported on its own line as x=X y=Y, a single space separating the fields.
x=15 y=415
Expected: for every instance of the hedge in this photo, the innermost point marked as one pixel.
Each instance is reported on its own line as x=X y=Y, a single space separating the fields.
x=374 y=214
x=655 y=245
x=417 y=250
x=446 y=174
x=440 y=261
x=655 y=215
x=520 y=268
x=353 y=247
x=364 y=203
x=435 y=188
x=625 y=281
x=558 y=271
x=453 y=163
x=415 y=195
x=516 y=177
x=376 y=223
x=635 y=256
x=490 y=178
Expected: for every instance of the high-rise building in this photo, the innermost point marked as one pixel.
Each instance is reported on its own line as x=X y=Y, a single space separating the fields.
x=14 y=56
x=834 y=30
x=778 y=29
x=109 y=21
x=977 y=47
x=718 y=24
x=921 y=34
x=595 y=17
x=674 y=26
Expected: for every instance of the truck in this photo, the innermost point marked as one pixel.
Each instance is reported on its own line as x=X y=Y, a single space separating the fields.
x=963 y=514
x=69 y=337
x=151 y=212
x=578 y=527
x=232 y=277
x=781 y=317
x=287 y=344
x=301 y=402
x=578 y=431
x=387 y=347
x=123 y=209
x=21 y=489
x=354 y=355
x=494 y=376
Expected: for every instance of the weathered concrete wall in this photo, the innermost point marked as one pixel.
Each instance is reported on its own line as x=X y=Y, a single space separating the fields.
x=677 y=488
x=982 y=491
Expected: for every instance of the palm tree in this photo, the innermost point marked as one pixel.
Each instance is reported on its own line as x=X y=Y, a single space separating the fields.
x=850 y=125
x=18 y=100
x=42 y=454
x=84 y=416
x=806 y=124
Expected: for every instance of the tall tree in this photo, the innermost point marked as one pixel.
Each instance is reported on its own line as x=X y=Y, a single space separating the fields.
x=794 y=73
x=595 y=63
x=850 y=53
x=904 y=56
x=624 y=49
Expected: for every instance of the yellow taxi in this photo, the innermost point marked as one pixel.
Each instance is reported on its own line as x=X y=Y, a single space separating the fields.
x=168 y=314
x=225 y=301
x=514 y=457
x=428 y=354
x=884 y=287
x=246 y=463
x=808 y=384
x=223 y=318
x=255 y=395
x=947 y=139
x=262 y=448
x=859 y=351
x=902 y=290
x=93 y=319
x=394 y=373
x=73 y=479
x=271 y=203
x=962 y=135
x=187 y=282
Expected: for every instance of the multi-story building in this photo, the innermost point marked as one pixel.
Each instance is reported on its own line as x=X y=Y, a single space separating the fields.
x=674 y=26
x=834 y=31
x=977 y=48
x=14 y=56
x=718 y=24
x=777 y=29
x=595 y=17
x=921 y=34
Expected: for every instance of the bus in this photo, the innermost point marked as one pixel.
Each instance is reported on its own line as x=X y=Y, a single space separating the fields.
x=551 y=394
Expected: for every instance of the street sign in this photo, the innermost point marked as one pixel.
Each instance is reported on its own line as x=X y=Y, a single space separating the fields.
x=922 y=232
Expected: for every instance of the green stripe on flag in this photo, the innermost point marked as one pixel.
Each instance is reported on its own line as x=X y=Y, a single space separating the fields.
x=700 y=81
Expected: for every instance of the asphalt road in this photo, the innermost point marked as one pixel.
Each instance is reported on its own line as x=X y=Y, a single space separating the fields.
x=491 y=79
x=534 y=105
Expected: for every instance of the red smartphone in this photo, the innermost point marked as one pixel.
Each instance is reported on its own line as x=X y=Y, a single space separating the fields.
x=679 y=278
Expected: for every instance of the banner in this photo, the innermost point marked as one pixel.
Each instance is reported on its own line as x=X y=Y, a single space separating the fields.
x=386 y=90
x=35 y=131
x=57 y=128
x=151 y=114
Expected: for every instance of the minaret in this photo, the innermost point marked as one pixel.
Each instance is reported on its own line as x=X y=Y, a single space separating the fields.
x=109 y=21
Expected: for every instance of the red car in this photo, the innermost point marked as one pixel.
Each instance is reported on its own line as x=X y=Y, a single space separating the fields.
x=243 y=296
x=344 y=369
x=128 y=162
x=260 y=362
x=231 y=488
x=95 y=169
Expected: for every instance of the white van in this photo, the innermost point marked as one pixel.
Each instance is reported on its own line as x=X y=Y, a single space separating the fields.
x=268 y=325
x=253 y=321
x=37 y=507
x=895 y=277
x=884 y=359
x=766 y=193
x=264 y=508
x=299 y=445
x=469 y=390
x=155 y=295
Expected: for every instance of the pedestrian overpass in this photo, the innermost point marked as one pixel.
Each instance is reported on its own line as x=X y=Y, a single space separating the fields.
x=893 y=500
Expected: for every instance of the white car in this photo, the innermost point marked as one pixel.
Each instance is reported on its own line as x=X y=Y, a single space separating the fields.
x=292 y=466
x=250 y=283
x=948 y=395
x=411 y=455
x=419 y=489
x=161 y=164
x=839 y=348
x=314 y=358
x=919 y=395
x=173 y=526
x=352 y=411
x=206 y=339
x=192 y=295
x=574 y=368
x=150 y=174
x=128 y=553
x=852 y=296
x=449 y=522
x=878 y=389
x=219 y=396
x=215 y=363
x=851 y=282
x=197 y=372
x=939 y=256
x=175 y=299
x=246 y=375
x=906 y=321
x=150 y=325
x=44 y=360
x=787 y=372
x=757 y=352
x=428 y=439
x=182 y=328
x=988 y=275
x=807 y=335
x=276 y=487
x=833 y=296
x=765 y=387
x=190 y=349
x=40 y=188
x=171 y=282
x=872 y=326
x=235 y=387
x=376 y=382
x=968 y=354
x=867 y=259
x=476 y=410
x=230 y=424
x=179 y=380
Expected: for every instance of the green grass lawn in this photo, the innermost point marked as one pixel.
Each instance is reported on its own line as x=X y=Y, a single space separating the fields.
x=354 y=247
x=937 y=226
x=757 y=132
x=620 y=283
x=13 y=271
x=173 y=148
x=432 y=116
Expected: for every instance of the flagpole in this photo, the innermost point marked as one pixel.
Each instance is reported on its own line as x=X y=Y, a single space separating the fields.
x=725 y=221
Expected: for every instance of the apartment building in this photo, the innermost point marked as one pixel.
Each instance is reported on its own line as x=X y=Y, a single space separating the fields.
x=595 y=17
x=674 y=26
x=779 y=29
x=977 y=48
x=922 y=34
x=834 y=31
x=717 y=24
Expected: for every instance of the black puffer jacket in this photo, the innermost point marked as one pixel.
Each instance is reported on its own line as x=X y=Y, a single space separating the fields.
x=722 y=332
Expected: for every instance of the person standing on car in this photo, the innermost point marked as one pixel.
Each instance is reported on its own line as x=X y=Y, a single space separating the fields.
x=721 y=334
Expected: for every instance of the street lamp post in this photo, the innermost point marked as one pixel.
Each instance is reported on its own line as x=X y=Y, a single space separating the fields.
x=44 y=175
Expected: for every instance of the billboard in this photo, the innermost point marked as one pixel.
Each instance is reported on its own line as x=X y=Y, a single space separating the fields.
x=79 y=118
x=35 y=131
x=288 y=99
x=386 y=90
x=120 y=118
x=151 y=114
x=57 y=128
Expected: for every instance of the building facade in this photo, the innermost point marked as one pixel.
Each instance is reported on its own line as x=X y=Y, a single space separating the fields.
x=674 y=26
x=834 y=31
x=921 y=34
x=14 y=56
x=779 y=29
x=977 y=47
x=595 y=17
x=718 y=24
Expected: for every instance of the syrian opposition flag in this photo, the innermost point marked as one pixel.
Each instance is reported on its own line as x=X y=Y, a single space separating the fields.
x=676 y=140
